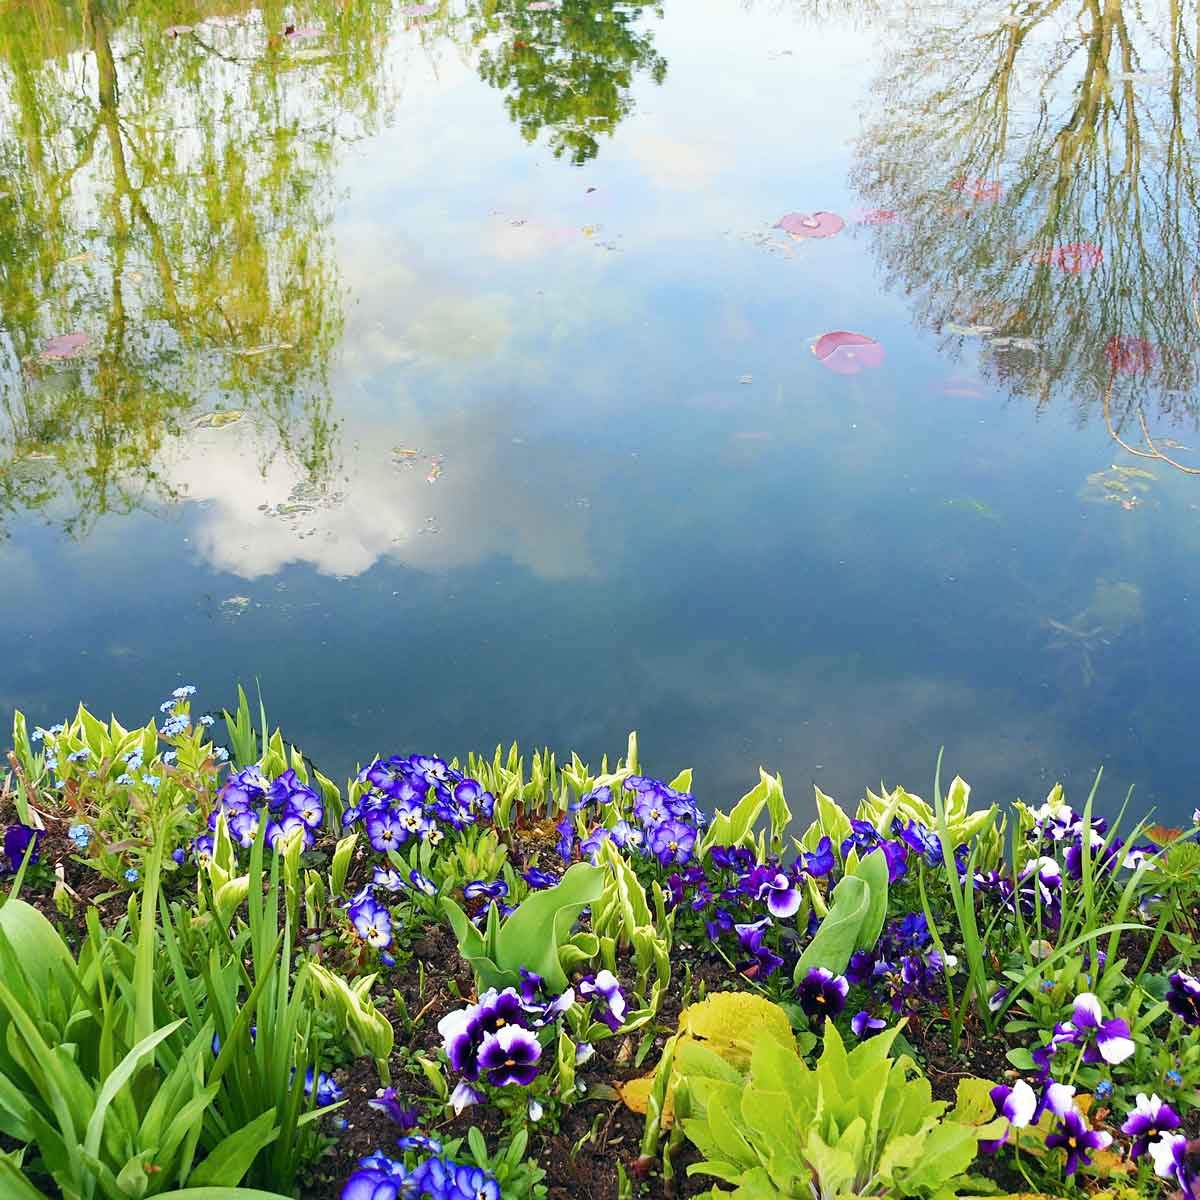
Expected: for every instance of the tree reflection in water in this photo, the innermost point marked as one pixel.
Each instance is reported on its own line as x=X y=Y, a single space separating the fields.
x=1042 y=163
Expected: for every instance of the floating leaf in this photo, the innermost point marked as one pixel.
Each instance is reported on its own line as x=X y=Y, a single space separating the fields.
x=1073 y=257
x=173 y=31
x=64 y=346
x=985 y=190
x=814 y=225
x=877 y=216
x=418 y=10
x=218 y=420
x=848 y=353
x=294 y=34
x=1130 y=355
x=541 y=5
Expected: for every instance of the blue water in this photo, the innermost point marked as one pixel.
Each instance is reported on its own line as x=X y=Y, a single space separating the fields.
x=535 y=445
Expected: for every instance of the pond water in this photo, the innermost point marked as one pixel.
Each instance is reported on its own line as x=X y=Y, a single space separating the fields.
x=446 y=370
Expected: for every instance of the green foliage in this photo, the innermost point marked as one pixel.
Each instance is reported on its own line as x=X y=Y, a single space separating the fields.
x=859 y=1124
x=532 y=936
x=516 y=1171
x=857 y=911
x=737 y=828
x=623 y=921
x=244 y=975
x=112 y=1115
x=367 y=1029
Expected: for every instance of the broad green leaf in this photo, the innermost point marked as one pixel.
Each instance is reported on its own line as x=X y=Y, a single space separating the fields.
x=228 y=1162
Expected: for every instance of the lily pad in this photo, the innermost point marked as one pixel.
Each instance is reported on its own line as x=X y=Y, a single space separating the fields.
x=63 y=347
x=418 y=10
x=1130 y=355
x=1073 y=258
x=986 y=191
x=877 y=216
x=811 y=225
x=848 y=353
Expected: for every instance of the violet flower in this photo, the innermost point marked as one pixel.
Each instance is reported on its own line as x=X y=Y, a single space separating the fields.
x=16 y=842
x=480 y=887
x=822 y=994
x=1078 y=1139
x=1101 y=1040
x=865 y=1025
x=404 y=1115
x=783 y=897
x=672 y=842
x=372 y=922
x=464 y=1096
x=510 y=1055
x=1183 y=997
x=1170 y=1157
x=1148 y=1118
x=606 y=990
x=1018 y=1103
x=750 y=937
x=820 y=861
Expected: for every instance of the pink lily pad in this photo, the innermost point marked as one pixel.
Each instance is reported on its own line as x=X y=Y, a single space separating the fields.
x=848 y=353
x=418 y=10
x=815 y=225
x=1074 y=258
x=174 y=31
x=877 y=216
x=1130 y=355
x=65 y=346
x=541 y=5
x=987 y=191
x=305 y=31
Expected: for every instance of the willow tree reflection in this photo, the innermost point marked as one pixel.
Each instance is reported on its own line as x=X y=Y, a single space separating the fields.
x=1041 y=168
x=167 y=191
x=568 y=69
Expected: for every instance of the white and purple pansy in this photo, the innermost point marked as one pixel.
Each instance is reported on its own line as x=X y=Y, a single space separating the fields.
x=782 y=895
x=1169 y=1154
x=605 y=989
x=1109 y=1041
x=1148 y=1118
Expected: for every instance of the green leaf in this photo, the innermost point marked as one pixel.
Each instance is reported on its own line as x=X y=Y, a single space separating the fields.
x=117 y=1080
x=230 y=1159
x=14 y=1185
x=838 y=935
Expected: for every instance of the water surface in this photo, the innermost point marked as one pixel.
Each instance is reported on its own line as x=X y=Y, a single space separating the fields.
x=448 y=375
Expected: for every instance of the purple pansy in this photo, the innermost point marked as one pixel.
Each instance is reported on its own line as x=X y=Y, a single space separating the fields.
x=1078 y=1139
x=606 y=990
x=864 y=1025
x=819 y=862
x=1018 y=1103
x=539 y=880
x=478 y=888
x=822 y=994
x=511 y=1055
x=464 y=1096
x=1148 y=1118
x=372 y=922
x=1109 y=1041
x=1183 y=997
x=17 y=839
x=1169 y=1153
x=404 y=1115
x=672 y=842
x=782 y=895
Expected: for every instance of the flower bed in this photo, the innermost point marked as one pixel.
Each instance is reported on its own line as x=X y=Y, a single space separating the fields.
x=225 y=976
